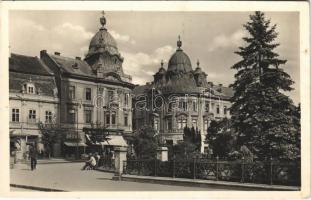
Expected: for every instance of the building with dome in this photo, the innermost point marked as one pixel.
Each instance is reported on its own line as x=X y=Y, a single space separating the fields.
x=94 y=95
x=178 y=97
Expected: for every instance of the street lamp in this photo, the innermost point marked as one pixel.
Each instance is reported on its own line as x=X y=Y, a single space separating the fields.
x=77 y=126
x=78 y=138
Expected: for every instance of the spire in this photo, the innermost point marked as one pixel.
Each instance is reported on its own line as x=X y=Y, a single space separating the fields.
x=198 y=63
x=162 y=63
x=179 y=43
x=103 y=20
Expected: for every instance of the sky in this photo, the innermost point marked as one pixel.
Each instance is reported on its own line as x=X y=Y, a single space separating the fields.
x=145 y=38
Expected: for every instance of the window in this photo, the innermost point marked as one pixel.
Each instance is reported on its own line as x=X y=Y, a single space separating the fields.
x=32 y=116
x=107 y=119
x=206 y=106
x=126 y=99
x=88 y=116
x=205 y=124
x=156 y=124
x=169 y=124
x=183 y=105
x=194 y=123
x=88 y=94
x=48 y=117
x=72 y=116
x=212 y=107
x=218 y=110
x=72 y=92
x=225 y=110
x=181 y=123
x=30 y=90
x=125 y=120
x=110 y=95
x=15 y=115
x=113 y=118
x=194 y=106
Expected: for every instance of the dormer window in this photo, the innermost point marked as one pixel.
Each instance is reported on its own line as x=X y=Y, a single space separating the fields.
x=28 y=88
x=75 y=66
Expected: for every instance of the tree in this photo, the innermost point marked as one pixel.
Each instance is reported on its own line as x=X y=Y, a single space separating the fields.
x=145 y=143
x=221 y=138
x=193 y=136
x=50 y=134
x=261 y=113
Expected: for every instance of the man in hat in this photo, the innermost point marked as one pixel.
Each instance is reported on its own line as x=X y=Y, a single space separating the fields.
x=33 y=157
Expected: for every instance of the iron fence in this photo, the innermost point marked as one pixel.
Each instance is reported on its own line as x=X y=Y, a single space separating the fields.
x=267 y=172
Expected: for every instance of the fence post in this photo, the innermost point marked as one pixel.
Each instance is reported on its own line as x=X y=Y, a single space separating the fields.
x=271 y=170
x=174 y=166
x=124 y=167
x=139 y=166
x=243 y=168
x=120 y=156
x=194 y=164
x=217 y=159
x=155 y=167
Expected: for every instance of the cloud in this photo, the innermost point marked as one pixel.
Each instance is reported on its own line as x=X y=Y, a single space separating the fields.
x=224 y=41
x=31 y=25
x=143 y=65
x=121 y=38
x=73 y=32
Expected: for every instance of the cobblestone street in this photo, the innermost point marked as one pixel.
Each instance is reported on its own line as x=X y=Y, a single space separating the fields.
x=69 y=177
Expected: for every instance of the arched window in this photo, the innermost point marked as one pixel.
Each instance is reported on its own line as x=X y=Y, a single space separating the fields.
x=181 y=122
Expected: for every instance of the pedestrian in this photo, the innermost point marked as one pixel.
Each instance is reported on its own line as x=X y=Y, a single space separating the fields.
x=33 y=157
x=98 y=161
x=91 y=163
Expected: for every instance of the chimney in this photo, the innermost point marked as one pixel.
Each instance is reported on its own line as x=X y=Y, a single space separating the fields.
x=42 y=53
x=56 y=53
x=78 y=58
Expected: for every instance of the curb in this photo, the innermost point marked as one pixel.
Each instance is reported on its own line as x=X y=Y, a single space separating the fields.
x=60 y=162
x=42 y=189
x=207 y=183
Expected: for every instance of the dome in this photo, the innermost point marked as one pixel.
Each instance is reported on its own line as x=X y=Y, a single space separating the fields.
x=162 y=70
x=198 y=70
x=103 y=41
x=179 y=61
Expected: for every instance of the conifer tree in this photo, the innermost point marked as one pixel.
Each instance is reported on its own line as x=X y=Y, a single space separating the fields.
x=262 y=114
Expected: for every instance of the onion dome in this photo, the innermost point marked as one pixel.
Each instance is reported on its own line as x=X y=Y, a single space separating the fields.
x=162 y=70
x=183 y=84
x=198 y=70
x=179 y=61
x=103 y=41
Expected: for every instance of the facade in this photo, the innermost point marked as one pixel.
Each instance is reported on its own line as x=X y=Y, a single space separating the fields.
x=93 y=93
x=178 y=97
x=33 y=98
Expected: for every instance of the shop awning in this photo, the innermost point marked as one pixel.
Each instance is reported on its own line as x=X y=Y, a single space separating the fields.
x=115 y=140
x=24 y=132
x=74 y=144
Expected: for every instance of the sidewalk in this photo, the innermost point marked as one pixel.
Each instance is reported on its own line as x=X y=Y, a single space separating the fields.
x=69 y=177
x=207 y=183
